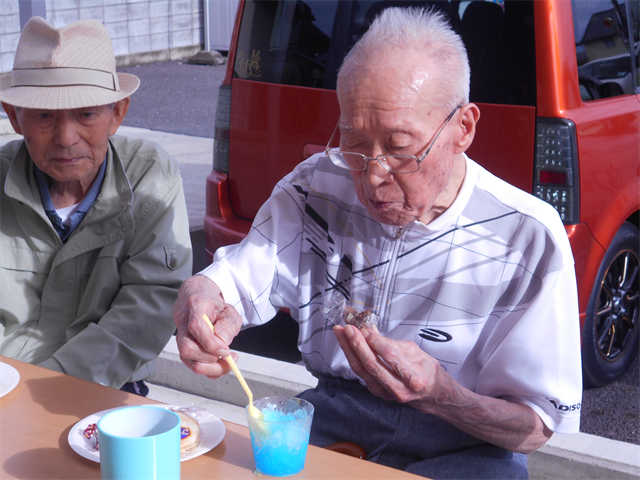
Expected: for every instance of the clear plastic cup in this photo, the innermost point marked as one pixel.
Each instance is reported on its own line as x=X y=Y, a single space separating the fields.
x=281 y=439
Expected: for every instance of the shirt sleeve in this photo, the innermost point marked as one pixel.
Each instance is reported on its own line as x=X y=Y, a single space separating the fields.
x=260 y=275
x=535 y=359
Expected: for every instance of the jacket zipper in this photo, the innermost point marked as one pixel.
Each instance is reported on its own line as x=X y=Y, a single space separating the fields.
x=390 y=272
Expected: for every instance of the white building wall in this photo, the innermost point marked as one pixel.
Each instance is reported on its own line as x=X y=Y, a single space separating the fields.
x=145 y=30
x=9 y=33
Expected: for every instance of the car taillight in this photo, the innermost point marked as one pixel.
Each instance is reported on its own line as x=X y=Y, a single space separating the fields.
x=555 y=176
x=221 y=135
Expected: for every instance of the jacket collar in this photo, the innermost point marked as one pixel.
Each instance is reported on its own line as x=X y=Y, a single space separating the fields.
x=116 y=193
x=20 y=183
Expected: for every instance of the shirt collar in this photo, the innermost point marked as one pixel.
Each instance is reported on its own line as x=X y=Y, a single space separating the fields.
x=83 y=207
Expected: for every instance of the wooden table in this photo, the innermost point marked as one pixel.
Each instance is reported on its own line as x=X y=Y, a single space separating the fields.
x=36 y=417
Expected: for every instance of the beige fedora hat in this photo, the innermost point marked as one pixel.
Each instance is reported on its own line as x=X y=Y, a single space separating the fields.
x=71 y=67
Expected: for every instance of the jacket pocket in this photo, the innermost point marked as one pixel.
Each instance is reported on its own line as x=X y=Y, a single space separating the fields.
x=22 y=259
x=171 y=256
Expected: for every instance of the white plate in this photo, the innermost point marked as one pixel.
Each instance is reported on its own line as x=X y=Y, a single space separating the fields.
x=9 y=378
x=212 y=432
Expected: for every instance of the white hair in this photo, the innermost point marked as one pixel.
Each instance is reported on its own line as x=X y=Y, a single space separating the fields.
x=427 y=32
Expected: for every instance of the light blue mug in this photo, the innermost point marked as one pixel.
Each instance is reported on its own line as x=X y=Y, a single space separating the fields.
x=139 y=443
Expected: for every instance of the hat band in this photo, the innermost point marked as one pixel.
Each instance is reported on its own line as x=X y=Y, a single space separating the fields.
x=62 y=77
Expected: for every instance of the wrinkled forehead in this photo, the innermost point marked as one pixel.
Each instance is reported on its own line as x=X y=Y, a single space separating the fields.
x=390 y=80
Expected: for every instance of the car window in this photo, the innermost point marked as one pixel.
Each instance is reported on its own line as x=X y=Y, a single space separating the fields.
x=634 y=15
x=302 y=43
x=606 y=36
x=499 y=37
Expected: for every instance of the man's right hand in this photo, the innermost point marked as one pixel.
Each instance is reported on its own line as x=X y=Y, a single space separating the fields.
x=200 y=349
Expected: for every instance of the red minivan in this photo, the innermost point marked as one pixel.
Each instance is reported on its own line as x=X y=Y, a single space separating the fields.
x=558 y=86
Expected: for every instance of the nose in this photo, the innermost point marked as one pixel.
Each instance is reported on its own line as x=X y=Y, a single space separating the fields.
x=66 y=130
x=376 y=174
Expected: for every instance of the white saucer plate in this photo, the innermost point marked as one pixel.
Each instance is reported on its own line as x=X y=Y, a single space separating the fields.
x=9 y=378
x=212 y=432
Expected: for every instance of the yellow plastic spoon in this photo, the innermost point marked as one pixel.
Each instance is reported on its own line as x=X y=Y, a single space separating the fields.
x=253 y=410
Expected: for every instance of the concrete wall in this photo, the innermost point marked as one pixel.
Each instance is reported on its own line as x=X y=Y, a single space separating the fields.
x=141 y=30
x=9 y=33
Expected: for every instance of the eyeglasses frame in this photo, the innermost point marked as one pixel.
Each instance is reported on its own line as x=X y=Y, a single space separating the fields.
x=378 y=158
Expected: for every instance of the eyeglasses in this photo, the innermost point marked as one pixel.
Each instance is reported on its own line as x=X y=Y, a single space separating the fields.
x=391 y=163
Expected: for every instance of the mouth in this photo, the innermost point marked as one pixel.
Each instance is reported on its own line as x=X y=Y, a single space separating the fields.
x=67 y=160
x=379 y=205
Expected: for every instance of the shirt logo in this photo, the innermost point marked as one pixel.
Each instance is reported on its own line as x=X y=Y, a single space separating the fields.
x=435 y=335
x=564 y=408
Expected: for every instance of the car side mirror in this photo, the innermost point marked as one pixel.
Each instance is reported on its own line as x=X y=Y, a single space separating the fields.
x=610 y=89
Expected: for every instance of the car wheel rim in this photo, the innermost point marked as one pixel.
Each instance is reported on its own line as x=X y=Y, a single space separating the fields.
x=617 y=313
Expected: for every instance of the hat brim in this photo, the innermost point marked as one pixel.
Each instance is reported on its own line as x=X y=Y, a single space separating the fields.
x=63 y=98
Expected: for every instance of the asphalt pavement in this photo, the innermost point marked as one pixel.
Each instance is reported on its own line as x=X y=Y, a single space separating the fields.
x=180 y=98
x=175 y=97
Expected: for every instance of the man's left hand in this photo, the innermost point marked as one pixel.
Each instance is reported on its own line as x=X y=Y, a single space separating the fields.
x=392 y=369
x=399 y=370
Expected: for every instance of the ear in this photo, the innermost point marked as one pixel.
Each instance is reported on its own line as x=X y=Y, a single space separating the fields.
x=120 y=109
x=10 y=110
x=468 y=117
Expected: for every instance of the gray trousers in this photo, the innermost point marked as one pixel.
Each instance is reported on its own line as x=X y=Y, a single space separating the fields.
x=401 y=437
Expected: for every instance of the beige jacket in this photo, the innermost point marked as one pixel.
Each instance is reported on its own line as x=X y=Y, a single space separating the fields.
x=97 y=307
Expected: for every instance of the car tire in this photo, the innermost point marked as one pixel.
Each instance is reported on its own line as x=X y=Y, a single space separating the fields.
x=610 y=334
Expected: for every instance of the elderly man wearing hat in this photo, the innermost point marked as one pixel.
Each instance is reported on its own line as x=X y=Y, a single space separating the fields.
x=94 y=234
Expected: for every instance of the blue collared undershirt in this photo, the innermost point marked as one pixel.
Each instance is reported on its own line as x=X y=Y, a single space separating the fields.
x=76 y=217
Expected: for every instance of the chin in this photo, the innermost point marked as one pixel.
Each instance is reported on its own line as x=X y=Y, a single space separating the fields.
x=388 y=218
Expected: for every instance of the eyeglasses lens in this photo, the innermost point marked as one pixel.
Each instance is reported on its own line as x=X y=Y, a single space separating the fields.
x=391 y=163
x=401 y=163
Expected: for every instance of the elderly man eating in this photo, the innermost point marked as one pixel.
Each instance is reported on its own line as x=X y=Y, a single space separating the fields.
x=94 y=233
x=437 y=304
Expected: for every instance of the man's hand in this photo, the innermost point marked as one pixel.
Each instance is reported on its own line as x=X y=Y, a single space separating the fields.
x=392 y=369
x=200 y=349
x=402 y=371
